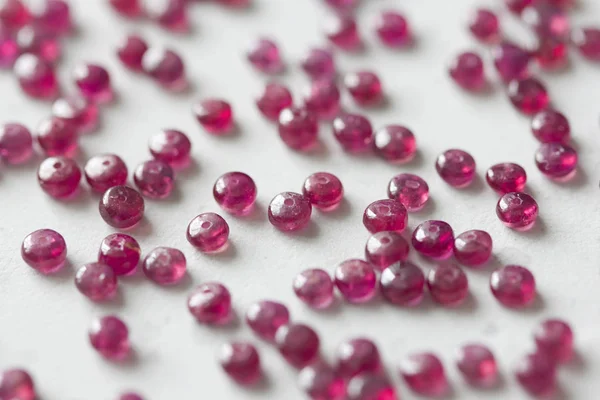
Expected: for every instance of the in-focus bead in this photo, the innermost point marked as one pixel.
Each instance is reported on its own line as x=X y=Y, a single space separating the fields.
x=16 y=383
x=165 y=266
x=386 y=248
x=511 y=61
x=402 y=284
x=120 y=252
x=298 y=344
x=240 y=360
x=57 y=137
x=166 y=67
x=14 y=14
x=52 y=17
x=456 y=167
x=298 y=128
x=121 y=207
x=517 y=210
x=551 y=126
x=155 y=179
x=385 y=215
x=170 y=14
x=264 y=55
x=93 y=82
x=587 y=40
x=528 y=95
x=235 y=192
x=395 y=143
x=484 y=25
x=342 y=31
x=410 y=190
x=38 y=42
x=554 y=337
x=314 y=287
x=266 y=317
x=353 y=132
x=9 y=49
x=78 y=111
x=424 y=374
x=513 y=286
x=105 y=171
x=536 y=373
x=318 y=63
x=131 y=52
x=356 y=357
x=210 y=303
x=274 y=98
x=478 y=366
x=468 y=71
x=96 y=281
x=506 y=177
x=434 y=239
x=172 y=147
x=127 y=8
x=215 y=115
x=320 y=382
x=322 y=98
x=551 y=53
x=208 y=232
x=356 y=280
x=289 y=211
x=36 y=76
x=448 y=284
x=364 y=87
x=473 y=248
x=323 y=190
x=556 y=161
x=547 y=20
x=110 y=337
x=44 y=250
x=16 y=143
x=393 y=29
x=59 y=177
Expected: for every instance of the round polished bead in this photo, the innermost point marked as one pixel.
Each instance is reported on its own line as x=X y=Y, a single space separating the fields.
x=554 y=338
x=484 y=25
x=448 y=284
x=235 y=192
x=264 y=55
x=511 y=61
x=172 y=147
x=356 y=357
x=16 y=143
x=395 y=143
x=240 y=360
x=14 y=14
x=165 y=266
x=517 y=6
x=356 y=280
x=166 y=67
x=36 y=41
x=342 y=31
x=131 y=52
x=105 y=171
x=536 y=373
x=96 y=281
x=127 y=8
x=320 y=382
x=155 y=179
x=478 y=366
x=121 y=207
x=371 y=387
x=16 y=384
x=547 y=20
x=506 y=177
x=298 y=344
x=517 y=210
x=318 y=63
x=274 y=98
x=551 y=126
x=393 y=29
x=289 y=211
x=93 y=82
x=215 y=115
x=120 y=252
x=364 y=87
x=434 y=239
x=298 y=128
x=323 y=98
x=314 y=287
x=78 y=111
x=551 y=53
x=557 y=161
x=513 y=286
x=410 y=190
x=456 y=167
x=587 y=40
x=266 y=317
x=385 y=215
x=170 y=14
x=110 y=337
x=386 y=248
x=57 y=137
x=36 y=76
x=353 y=132
x=473 y=248
x=528 y=95
x=402 y=284
x=208 y=232
x=323 y=190
x=468 y=71
x=59 y=177
x=9 y=49
x=52 y=16
x=210 y=303
x=44 y=250
x=424 y=374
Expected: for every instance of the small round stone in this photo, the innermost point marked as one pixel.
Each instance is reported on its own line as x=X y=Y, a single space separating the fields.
x=357 y=357
x=551 y=126
x=298 y=128
x=210 y=303
x=364 y=87
x=52 y=16
x=131 y=52
x=120 y=252
x=36 y=76
x=386 y=248
x=16 y=143
x=554 y=338
x=517 y=210
x=215 y=115
x=14 y=14
x=393 y=29
x=208 y=232
x=356 y=280
x=166 y=67
x=314 y=287
x=274 y=98
x=323 y=99
x=528 y=95
x=57 y=137
x=264 y=55
x=473 y=248
x=395 y=143
x=536 y=373
x=240 y=360
x=353 y=132
x=34 y=40
x=587 y=40
x=78 y=111
x=105 y=171
x=266 y=317
x=448 y=284
x=434 y=239
x=513 y=286
x=478 y=366
x=484 y=25
x=96 y=281
x=127 y=8
x=59 y=177
x=170 y=14
x=371 y=387
x=456 y=167
x=551 y=53
x=110 y=337
x=172 y=147
x=235 y=192
x=155 y=179
x=468 y=71
x=318 y=63
x=44 y=250
x=93 y=82
x=16 y=384
x=342 y=31
x=547 y=20
x=511 y=61
x=385 y=215
x=320 y=382
x=402 y=284
x=121 y=207
x=9 y=49
x=298 y=344
x=557 y=161
x=517 y=6
x=410 y=190
x=506 y=177
x=165 y=266
x=424 y=374
x=323 y=190
x=289 y=211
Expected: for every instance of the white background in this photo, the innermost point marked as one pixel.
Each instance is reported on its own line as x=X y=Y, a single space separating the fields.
x=44 y=320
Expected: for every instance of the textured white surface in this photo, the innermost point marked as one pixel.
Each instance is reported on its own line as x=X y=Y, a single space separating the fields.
x=44 y=319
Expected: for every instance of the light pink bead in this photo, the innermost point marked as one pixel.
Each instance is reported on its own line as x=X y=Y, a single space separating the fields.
x=318 y=63
x=208 y=232
x=9 y=50
x=314 y=287
x=557 y=161
x=210 y=303
x=511 y=61
x=36 y=41
x=16 y=143
x=513 y=286
x=57 y=137
x=120 y=252
x=517 y=210
x=155 y=179
x=517 y=6
x=16 y=384
x=14 y=14
x=547 y=20
x=554 y=338
x=298 y=344
x=473 y=248
x=235 y=192
x=587 y=40
x=386 y=248
x=323 y=190
x=506 y=178
x=410 y=190
x=240 y=360
x=170 y=14
x=172 y=147
x=165 y=266
x=364 y=87
x=385 y=215
x=342 y=31
x=353 y=132
x=356 y=280
x=434 y=239
x=456 y=167
x=551 y=126
x=166 y=67
x=298 y=128
x=215 y=115
x=537 y=374
x=323 y=98
x=448 y=284
x=393 y=29
x=484 y=25
x=53 y=17
x=36 y=76
x=395 y=143
x=528 y=95
x=356 y=357
x=264 y=55
x=59 y=177
x=93 y=82
x=551 y=53
x=478 y=365
x=265 y=317
x=121 y=207
x=131 y=52
x=371 y=387
x=468 y=71
x=110 y=337
x=289 y=211
x=274 y=98
x=96 y=281
x=44 y=250
x=402 y=284
x=127 y=8
x=78 y=111
x=320 y=382
x=424 y=374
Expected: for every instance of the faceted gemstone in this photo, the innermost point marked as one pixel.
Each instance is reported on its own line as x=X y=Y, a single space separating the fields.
x=215 y=115
x=356 y=357
x=298 y=344
x=170 y=14
x=38 y=42
x=318 y=63
x=547 y=20
x=556 y=161
x=314 y=287
x=478 y=365
x=371 y=387
x=554 y=338
x=44 y=250
x=154 y=178
x=468 y=71
x=393 y=29
x=551 y=53
x=274 y=98
x=130 y=396
x=356 y=280
x=410 y=190
x=240 y=360
x=121 y=207
x=208 y=232
x=235 y=192
x=434 y=239
x=14 y=14
x=395 y=143
x=385 y=215
x=298 y=128
x=484 y=25
x=166 y=67
x=265 y=317
x=448 y=284
x=131 y=52
x=511 y=61
x=551 y=126
x=16 y=143
x=323 y=190
x=289 y=211
x=59 y=176
x=517 y=6
x=52 y=16
x=506 y=177
x=165 y=266
x=120 y=252
x=513 y=286
x=473 y=248
x=36 y=76
x=323 y=98
x=386 y=248
x=264 y=55
x=517 y=210
x=57 y=137
x=342 y=31
x=364 y=87
x=424 y=374
x=528 y=95
x=78 y=111
x=105 y=171
x=403 y=284
x=320 y=382
x=172 y=147
x=210 y=303
x=96 y=281
x=127 y=8
x=354 y=132
x=93 y=82
x=537 y=374
x=16 y=384
x=9 y=50
x=110 y=337
x=587 y=40
x=456 y=167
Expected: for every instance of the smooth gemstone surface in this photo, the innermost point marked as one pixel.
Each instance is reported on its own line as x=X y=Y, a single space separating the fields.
x=364 y=87
x=385 y=215
x=528 y=95
x=131 y=51
x=323 y=98
x=265 y=317
x=96 y=281
x=155 y=179
x=44 y=250
x=298 y=128
x=264 y=55
x=395 y=143
x=386 y=248
x=298 y=344
x=235 y=192
x=506 y=177
x=434 y=239
x=410 y=190
x=371 y=387
x=16 y=384
x=210 y=303
x=587 y=40
x=165 y=266
x=356 y=357
x=52 y=16
x=120 y=252
x=318 y=63
x=166 y=67
x=513 y=286
x=93 y=82
x=551 y=53
x=59 y=177
x=314 y=287
x=477 y=364
x=36 y=41
x=127 y=8
x=353 y=132
x=320 y=382
x=57 y=137
x=324 y=190
x=484 y=25
x=172 y=147
x=78 y=111
x=473 y=248
x=356 y=280
x=240 y=360
x=110 y=337
x=554 y=337
x=456 y=167
x=208 y=232
x=536 y=373
x=547 y=20
x=16 y=143
x=393 y=29
x=402 y=284
x=14 y=13
x=170 y=14
x=36 y=76
x=105 y=171
x=511 y=61
x=557 y=161
x=342 y=31
x=448 y=284
x=424 y=374
x=121 y=207
x=215 y=115
x=289 y=211
x=468 y=71
x=274 y=98
x=517 y=210
x=551 y=126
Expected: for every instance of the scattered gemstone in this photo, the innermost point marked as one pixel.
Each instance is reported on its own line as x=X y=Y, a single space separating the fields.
x=556 y=161
x=513 y=286
x=434 y=239
x=38 y=42
x=36 y=76
x=96 y=281
x=110 y=337
x=323 y=99
x=208 y=232
x=554 y=338
x=318 y=63
x=166 y=67
x=468 y=71
x=210 y=303
x=298 y=128
x=517 y=210
x=371 y=387
x=424 y=374
x=52 y=17
x=456 y=167
x=342 y=31
x=121 y=207
x=235 y=192
x=155 y=179
x=170 y=14
x=57 y=137
x=16 y=143
x=265 y=57
x=364 y=87
x=395 y=143
x=393 y=29
x=506 y=177
x=551 y=126
x=402 y=284
x=410 y=190
x=551 y=53
x=77 y=111
x=357 y=357
x=517 y=6
x=528 y=95
x=240 y=360
x=320 y=382
x=59 y=177
x=356 y=280
x=131 y=52
x=298 y=344
x=353 y=132
x=14 y=14
x=342 y=4
x=120 y=252
x=172 y=147
x=289 y=211
x=314 y=287
x=44 y=250
x=478 y=365
x=16 y=384
x=215 y=115
x=130 y=396
x=105 y=171
x=511 y=61
x=448 y=284
x=547 y=20
x=127 y=8
x=165 y=266
x=385 y=215
x=484 y=25
x=473 y=248
x=587 y=40
x=266 y=317
x=537 y=374
x=93 y=82
x=274 y=98
x=386 y=248
x=323 y=190
x=9 y=49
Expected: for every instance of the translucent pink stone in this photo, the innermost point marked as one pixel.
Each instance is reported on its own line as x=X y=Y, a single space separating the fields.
x=110 y=337
x=473 y=248
x=484 y=25
x=274 y=98
x=93 y=82
x=264 y=55
x=554 y=337
x=386 y=248
x=165 y=266
x=356 y=357
x=130 y=396
x=506 y=177
x=289 y=211
x=44 y=250
x=410 y=190
x=536 y=373
x=235 y=192
x=208 y=232
x=96 y=281
x=364 y=87
x=393 y=29
x=448 y=284
x=513 y=286
x=155 y=179
x=210 y=303
x=395 y=143
x=36 y=76
x=356 y=280
x=342 y=31
x=170 y=14
x=131 y=52
x=127 y=8
x=456 y=167
x=78 y=111
x=298 y=344
x=478 y=366
x=320 y=382
x=53 y=17
x=14 y=14
x=371 y=387
x=215 y=115
x=265 y=317
x=424 y=374
x=402 y=284
x=323 y=190
x=318 y=63
x=172 y=147
x=120 y=252
x=240 y=360
x=468 y=71
x=551 y=53
x=166 y=67
x=314 y=287
x=57 y=137
x=517 y=6
x=587 y=40
x=323 y=98
x=121 y=207
x=517 y=210
x=9 y=50
x=105 y=171
x=557 y=161
x=298 y=128
x=38 y=42
x=385 y=215
x=528 y=95
x=16 y=384
x=547 y=20
x=353 y=132
x=511 y=61
x=16 y=143
x=434 y=239
x=59 y=177
x=551 y=126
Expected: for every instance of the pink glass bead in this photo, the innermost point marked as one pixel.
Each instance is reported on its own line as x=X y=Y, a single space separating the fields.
x=110 y=337
x=354 y=132
x=513 y=286
x=364 y=87
x=14 y=14
x=356 y=280
x=319 y=64
x=16 y=143
x=298 y=128
x=517 y=6
x=78 y=111
x=314 y=287
x=320 y=382
x=121 y=207
x=235 y=192
x=298 y=344
x=127 y=8
x=547 y=20
x=517 y=210
x=342 y=4
x=155 y=179
x=424 y=374
x=9 y=50
x=385 y=215
x=36 y=76
x=323 y=190
x=165 y=266
x=53 y=17
x=172 y=147
x=289 y=211
x=468 y=71
x=528 y=95
x=484 y=25
x=59 y=177
x=506 y=178
x=537 y=374
x=96 y=281
x=120 y=252
x=105 y=171
x=93 y=82
x=166 y=67
x=473 y=248
x=402 y=284
x=265 y=57
x=208 y=232
x=456 y=167
x=265 y=317
x=57 y=137
x=434 y=239
x=448 y=284
x=44 y=250
x=274 y=98
x=587 y=40
x=35 y=41
x=130 y=396
x=210 y=303
x=323 y=98
x=511 y=61
x=410 y=190
x=551 y=126
x=240 y=360
x=356 y=357
x=556 y=161
x=342 y=31
x=386 y=248
x=170 y=14
x=554 y=338
x=16 y=384
x=551 y=53
x=393 y=29
x=131 y=52
x=395 y=143
x=371 y=387
x=478 y=365
x=215 y=115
